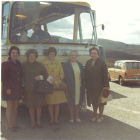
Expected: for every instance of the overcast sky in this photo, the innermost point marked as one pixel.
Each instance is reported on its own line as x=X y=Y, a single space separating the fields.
x=121 y=19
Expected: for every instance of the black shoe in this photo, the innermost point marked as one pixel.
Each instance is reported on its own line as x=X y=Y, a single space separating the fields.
x=17 y=127
x=57 y=123
x=33 y=126
x=12 y=129
x=39 y=126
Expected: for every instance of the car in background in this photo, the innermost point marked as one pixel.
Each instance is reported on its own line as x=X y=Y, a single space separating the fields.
x=125 y=71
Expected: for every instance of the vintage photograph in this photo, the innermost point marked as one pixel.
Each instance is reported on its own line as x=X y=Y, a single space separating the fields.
x=70 y=70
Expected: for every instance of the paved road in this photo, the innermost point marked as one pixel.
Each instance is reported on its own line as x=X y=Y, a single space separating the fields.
x=122 y=121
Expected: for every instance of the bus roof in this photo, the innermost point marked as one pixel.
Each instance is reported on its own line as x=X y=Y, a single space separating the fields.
x=80 y=3
x=86 y=4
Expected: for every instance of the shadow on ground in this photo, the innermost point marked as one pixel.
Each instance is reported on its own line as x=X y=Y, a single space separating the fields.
x=116 y=95
x=130 y=85
x=109 y=129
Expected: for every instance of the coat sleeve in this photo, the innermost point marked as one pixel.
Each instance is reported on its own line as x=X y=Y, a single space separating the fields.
x=43 y=71
x=61 y=72
x=82 y=83
x=64 y=70
x=85 y=74
x=105 y=76
x=5 y=76
x=23 y=74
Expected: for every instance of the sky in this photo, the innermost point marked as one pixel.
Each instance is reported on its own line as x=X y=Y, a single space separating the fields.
x=121 y=19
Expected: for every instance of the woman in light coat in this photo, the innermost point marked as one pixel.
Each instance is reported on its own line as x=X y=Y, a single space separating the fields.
x=56 y=76
x=74 y=80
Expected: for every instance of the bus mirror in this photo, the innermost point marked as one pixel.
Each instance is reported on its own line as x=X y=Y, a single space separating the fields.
x=103 y=27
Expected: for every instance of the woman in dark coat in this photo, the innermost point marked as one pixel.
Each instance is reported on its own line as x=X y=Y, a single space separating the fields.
x=32 y=71
x=73 y=77
x=96 y=80
x=11 y=85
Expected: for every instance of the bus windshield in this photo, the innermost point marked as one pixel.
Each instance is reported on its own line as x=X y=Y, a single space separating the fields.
x=50 y=22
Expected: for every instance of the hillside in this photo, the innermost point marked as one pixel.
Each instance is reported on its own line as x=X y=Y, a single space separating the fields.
x=119 y=50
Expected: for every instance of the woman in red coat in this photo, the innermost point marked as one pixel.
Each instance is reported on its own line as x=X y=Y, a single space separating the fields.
x=11 y=85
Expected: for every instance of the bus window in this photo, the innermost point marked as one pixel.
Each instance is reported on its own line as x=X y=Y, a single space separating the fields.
x=5 y=12
x=62 y=28
x=57 y=18
x=86 y=26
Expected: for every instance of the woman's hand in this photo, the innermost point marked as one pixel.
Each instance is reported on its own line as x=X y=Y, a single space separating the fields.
x=106 y=93
x=50 y=79
x=8 y=91
x=37 y=77
x=56 y=78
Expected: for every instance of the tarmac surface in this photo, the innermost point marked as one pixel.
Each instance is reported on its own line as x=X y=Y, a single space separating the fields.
x=121 y=121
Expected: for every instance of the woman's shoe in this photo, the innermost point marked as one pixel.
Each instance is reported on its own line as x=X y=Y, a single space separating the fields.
x=51 y=123
x=100 y=119
x=12 y=129
x=71 y=121
x=17 y=127
x=94 y=119
x=57 y=123
x=78 y=120
x=39 y=126
x=33 y=126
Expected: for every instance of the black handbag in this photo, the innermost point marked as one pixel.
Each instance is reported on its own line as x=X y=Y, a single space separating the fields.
x=43 y=87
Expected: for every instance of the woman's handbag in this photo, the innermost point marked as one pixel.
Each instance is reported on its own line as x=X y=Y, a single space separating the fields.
x=43 y=87
x=106 y=96
x=106 y=99
x=106 y=93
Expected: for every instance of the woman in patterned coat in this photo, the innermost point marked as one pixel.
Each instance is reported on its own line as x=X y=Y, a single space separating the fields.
x=96 y=80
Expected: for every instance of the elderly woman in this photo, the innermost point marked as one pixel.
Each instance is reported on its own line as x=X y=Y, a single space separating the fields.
x=32 y=71
x=56 y=75
x=11 y=85
x=96 y=81
x=73 y=72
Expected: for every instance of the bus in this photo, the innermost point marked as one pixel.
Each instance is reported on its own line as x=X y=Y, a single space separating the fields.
x=71 y=26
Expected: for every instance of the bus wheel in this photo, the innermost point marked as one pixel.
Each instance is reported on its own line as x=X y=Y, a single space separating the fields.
x=121 y=82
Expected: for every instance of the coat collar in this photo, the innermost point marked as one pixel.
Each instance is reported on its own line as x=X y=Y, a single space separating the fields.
x=79 y=64
x=95 y=61
x=10 y=60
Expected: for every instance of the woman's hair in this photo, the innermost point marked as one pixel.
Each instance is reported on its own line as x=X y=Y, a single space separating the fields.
x=51 y=49
x=94 y=48
x=73 y=51
x=13 y=48
x=31 y=51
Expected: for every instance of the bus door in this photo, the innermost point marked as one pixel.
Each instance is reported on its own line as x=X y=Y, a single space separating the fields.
x=5 y=20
